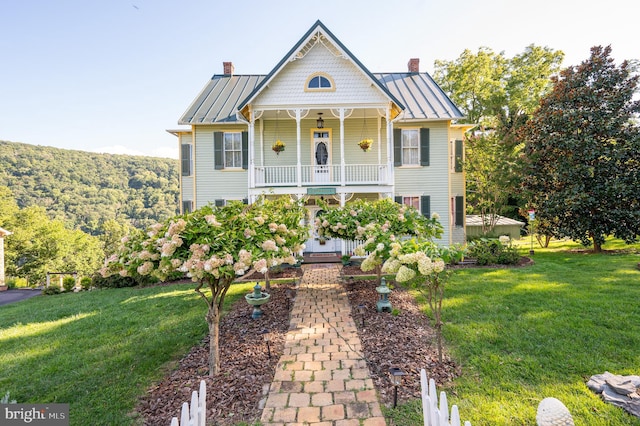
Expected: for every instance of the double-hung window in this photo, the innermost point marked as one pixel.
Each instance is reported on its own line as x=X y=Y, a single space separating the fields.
x=410 y=147
x=233 y=150
x=421 y=203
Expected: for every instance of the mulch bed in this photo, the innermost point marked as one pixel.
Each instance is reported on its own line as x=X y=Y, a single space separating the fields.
x=404 y=339
x=245 y=367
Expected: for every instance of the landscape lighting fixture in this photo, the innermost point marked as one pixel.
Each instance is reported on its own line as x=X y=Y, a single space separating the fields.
x=396 y=374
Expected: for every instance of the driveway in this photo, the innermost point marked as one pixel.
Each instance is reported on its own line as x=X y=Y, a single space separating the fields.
x=11 y=296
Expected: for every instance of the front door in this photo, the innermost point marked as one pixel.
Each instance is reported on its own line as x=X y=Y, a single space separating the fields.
x=321 y=156
x=316 y=244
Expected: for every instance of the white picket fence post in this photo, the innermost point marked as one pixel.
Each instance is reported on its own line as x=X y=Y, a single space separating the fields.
x=434 y=415
x=196 y=414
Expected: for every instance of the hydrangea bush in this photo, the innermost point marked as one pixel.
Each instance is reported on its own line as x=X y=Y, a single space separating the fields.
x=213 y=246
x=379 y=224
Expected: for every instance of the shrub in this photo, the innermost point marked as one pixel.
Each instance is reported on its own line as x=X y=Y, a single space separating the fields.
x=491 y=251
x=118 y=281
x=54 y=289
x=68 y=283
x=85 y=283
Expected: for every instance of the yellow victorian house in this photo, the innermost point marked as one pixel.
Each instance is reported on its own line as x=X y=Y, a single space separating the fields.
x=320 y=125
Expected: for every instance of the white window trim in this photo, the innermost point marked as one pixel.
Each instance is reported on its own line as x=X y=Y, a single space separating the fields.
x=402 y=148
x=224 y=152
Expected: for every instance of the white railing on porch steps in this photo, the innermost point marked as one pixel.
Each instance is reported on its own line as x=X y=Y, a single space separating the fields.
x=196 y=413
x=355 y=174
x=435 y=415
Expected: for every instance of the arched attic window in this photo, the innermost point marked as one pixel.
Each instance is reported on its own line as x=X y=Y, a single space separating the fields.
x=319 y=82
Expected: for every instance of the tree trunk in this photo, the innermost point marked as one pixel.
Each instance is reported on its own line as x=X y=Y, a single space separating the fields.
x=379 y=275
x=267 y=284
x=439 y=338
x=213 y=320
x=597 y=247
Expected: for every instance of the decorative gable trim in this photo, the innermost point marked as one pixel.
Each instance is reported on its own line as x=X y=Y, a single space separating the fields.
x=318 y=33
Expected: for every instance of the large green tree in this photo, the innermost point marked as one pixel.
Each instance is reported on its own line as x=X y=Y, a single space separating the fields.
x=498 y=94
x=583 y=152
x=40 y=245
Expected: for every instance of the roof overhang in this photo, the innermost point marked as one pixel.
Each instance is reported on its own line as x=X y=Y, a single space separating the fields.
x=178 y=132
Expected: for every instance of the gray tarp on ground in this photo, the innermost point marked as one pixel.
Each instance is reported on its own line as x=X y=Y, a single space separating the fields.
x=621 y=391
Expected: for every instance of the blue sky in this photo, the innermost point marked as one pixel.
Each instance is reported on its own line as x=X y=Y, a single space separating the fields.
x=113 y=75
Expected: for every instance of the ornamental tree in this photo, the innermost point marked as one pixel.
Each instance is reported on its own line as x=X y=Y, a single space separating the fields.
x=582 y=153
x=378 y=224
x=498 y=94
x=213 y=246
x=422 y=266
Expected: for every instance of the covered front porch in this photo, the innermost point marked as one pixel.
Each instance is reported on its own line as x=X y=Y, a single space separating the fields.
x=299 y=148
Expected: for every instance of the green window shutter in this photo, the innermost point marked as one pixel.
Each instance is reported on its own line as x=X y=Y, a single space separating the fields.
x=185 y=157
x=219 y=203
x=218 y=150
x=425 y=205
x=459 y=219
x=397 y=147
x=245 y=150
x=398 y=199
x=458 y=156
x=424 y=147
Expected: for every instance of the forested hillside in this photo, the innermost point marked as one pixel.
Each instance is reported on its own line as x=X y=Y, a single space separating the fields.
x=84 y=189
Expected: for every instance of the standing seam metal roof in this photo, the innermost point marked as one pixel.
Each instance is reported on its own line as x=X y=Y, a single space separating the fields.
x=220 y=99
x=422 y=97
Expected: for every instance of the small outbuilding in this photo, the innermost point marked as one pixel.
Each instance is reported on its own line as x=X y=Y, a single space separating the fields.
x=504 y=226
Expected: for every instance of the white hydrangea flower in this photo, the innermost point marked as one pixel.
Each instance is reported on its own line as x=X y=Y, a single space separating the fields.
x=405 y=274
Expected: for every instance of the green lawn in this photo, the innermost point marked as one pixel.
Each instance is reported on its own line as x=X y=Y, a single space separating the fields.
x=523 y=334
x=99 y=350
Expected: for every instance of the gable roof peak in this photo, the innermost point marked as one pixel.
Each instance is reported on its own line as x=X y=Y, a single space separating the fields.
x=300 y=49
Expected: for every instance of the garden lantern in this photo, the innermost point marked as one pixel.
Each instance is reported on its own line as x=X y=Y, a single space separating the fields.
x=396 y=375
x=383 y=296
x=361 y=311
x=265 y=336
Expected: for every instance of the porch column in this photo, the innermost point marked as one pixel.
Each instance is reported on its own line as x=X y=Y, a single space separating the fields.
x=391 y=172
x=342 y=163
x=261 y=143
x=252 y=162
x=379 y=121
x=298 y=159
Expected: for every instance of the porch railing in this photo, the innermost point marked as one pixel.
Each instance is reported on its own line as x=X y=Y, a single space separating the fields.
x=354 y=174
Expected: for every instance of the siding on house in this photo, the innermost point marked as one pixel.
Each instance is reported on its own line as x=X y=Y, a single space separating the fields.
x=351 y=85
x=432 y=180
x=214 y=184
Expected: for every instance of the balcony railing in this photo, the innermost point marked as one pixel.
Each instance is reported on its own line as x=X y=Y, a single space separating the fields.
x=354 y=174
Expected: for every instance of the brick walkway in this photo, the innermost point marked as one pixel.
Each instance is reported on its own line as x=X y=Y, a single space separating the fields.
x=322 y=378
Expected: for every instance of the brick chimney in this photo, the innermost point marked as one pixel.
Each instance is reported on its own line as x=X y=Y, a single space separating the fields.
x=414 y=65
x=228 y=68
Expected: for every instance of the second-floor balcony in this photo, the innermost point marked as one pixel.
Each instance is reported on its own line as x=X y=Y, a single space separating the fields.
x=332 y=174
